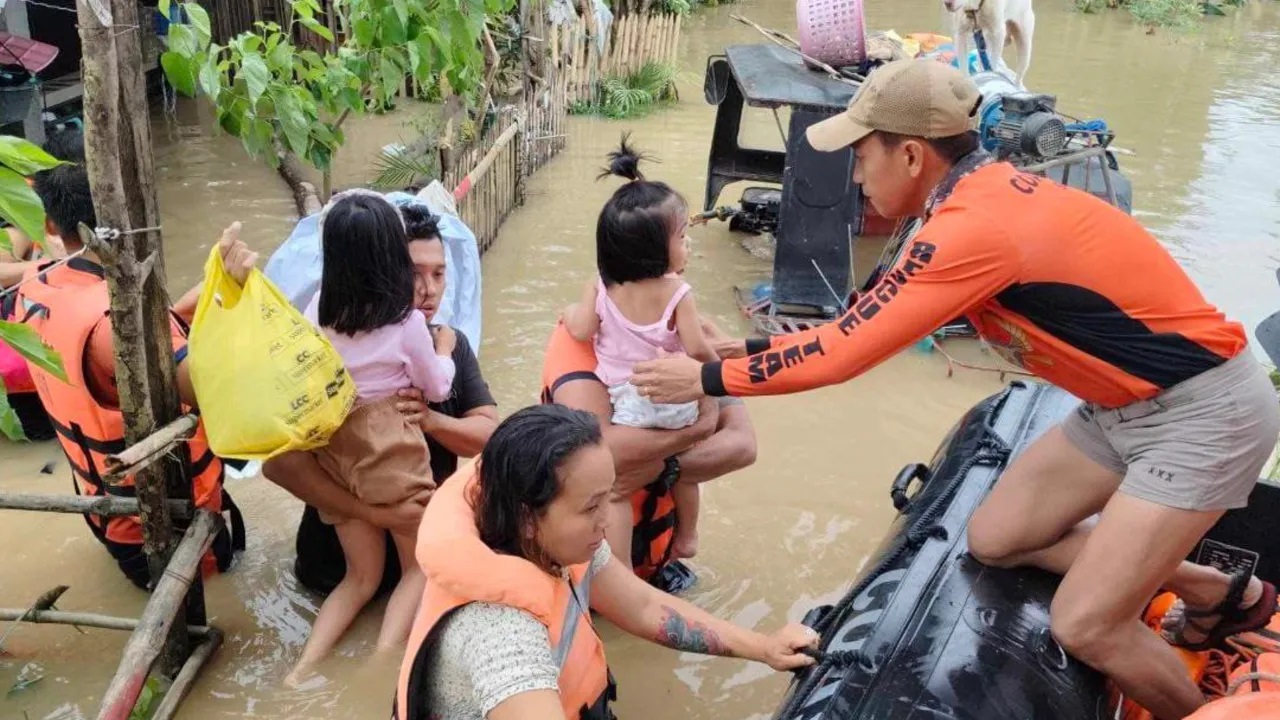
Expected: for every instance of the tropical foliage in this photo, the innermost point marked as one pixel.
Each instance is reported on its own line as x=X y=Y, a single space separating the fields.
x=273 y=94
x=20 y=206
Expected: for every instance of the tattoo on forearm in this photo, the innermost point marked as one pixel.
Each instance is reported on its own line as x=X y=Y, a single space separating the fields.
x=679 y=634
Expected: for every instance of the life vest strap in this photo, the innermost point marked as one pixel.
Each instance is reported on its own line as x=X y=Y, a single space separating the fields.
x=86 y=443
x=578 y=606
x=567 y=378
x=202 y=463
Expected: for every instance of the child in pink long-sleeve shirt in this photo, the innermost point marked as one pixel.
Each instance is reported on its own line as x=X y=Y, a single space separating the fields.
x=366 y=308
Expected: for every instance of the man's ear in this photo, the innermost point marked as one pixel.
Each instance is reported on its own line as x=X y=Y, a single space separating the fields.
x=914 y=151
x=50 y=228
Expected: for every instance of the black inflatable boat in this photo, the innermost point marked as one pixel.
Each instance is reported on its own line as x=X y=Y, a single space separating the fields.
x=928 y=632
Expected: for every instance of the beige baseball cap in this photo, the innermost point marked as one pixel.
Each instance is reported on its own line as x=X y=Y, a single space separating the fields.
x=918 y=98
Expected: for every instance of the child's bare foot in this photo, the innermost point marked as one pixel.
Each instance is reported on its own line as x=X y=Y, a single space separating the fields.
x=684 y=545
x=300 y=676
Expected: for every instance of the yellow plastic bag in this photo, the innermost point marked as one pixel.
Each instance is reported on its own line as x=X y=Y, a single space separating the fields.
x=266 y=379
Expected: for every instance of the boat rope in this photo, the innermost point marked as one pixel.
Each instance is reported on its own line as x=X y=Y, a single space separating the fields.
x=1251 y=677
x=993 y=451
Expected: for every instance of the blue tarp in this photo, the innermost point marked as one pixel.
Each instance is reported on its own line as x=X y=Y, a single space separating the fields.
x=296 y=265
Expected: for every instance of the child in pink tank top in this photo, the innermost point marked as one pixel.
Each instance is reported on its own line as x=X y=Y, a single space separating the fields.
x=640 y=307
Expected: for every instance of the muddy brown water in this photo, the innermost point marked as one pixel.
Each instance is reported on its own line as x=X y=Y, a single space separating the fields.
x=1202 y=112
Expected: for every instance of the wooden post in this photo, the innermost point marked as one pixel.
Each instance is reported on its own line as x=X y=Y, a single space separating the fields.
x=119 y=163
x=157 y=621
x=526 y=47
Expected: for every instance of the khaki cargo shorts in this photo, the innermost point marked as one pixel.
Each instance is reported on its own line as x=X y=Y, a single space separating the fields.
x=1200 y=445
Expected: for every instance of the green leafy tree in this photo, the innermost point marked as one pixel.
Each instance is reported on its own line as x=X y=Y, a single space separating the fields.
x=270 y=94
x=20 y=206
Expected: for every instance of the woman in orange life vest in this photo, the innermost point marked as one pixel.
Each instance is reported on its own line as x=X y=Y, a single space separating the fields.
x=68 y=306
x=515 y=555
x=648 y=461
x=1178 y=417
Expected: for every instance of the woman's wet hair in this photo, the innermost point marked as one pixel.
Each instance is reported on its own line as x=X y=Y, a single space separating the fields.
x=518 y=472
x=634 y=230
x=419 y=223
x=367 y=280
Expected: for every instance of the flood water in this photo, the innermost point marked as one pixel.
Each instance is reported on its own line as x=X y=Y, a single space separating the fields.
x=1201 y=111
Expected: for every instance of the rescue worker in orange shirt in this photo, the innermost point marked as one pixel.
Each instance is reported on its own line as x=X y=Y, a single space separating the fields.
x=1177 y=417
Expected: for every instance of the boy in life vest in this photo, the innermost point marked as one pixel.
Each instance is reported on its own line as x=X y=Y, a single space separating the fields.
x=68 y=305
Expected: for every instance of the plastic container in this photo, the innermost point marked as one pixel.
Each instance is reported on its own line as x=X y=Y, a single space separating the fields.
x=832 y=31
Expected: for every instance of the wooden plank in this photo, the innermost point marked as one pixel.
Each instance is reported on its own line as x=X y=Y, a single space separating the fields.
x=151 y=448
x=102 y=505
x=168 y=707
x=82 y=619
x=166 y=602
x=675 y=42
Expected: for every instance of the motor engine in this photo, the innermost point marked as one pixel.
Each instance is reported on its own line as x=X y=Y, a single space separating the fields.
x=1029 y=127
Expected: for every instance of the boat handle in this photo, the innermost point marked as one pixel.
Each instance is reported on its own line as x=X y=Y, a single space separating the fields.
x=898 y=491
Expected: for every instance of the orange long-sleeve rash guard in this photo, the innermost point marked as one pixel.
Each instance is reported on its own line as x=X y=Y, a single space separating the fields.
x=1059 y=282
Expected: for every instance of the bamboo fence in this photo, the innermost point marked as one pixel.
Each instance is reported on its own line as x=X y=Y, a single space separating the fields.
x=488 y=178
x=634 y=40
x=494 y=179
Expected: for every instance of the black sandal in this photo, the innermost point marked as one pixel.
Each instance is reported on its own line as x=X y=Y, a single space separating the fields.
x=1233 y=618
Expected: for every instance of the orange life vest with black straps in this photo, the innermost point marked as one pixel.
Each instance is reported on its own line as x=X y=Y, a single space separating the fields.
x=64 y=305
x=653 y=512
x=653 y=508
x=461 y=569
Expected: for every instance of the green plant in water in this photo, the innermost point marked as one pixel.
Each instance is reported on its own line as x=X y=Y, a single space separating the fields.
x=637 y=94
x=685 y=7
x=270 y=93
x=400 y=169
x=1172 y=14
x=20 y=206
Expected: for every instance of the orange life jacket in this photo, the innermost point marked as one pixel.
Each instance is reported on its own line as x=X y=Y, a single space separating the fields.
x=653 y=508
x=1251 y=706
x=64 y=305
x=461 y=569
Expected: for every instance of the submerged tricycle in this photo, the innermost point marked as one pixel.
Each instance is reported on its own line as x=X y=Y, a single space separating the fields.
x=808 y=202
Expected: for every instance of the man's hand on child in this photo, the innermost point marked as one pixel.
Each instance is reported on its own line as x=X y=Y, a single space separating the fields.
x=405 y=516
x=708 y=419
x=237 y=258
x=414 y=408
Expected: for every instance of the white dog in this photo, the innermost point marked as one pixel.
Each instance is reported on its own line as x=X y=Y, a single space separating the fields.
x=1001 y=21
